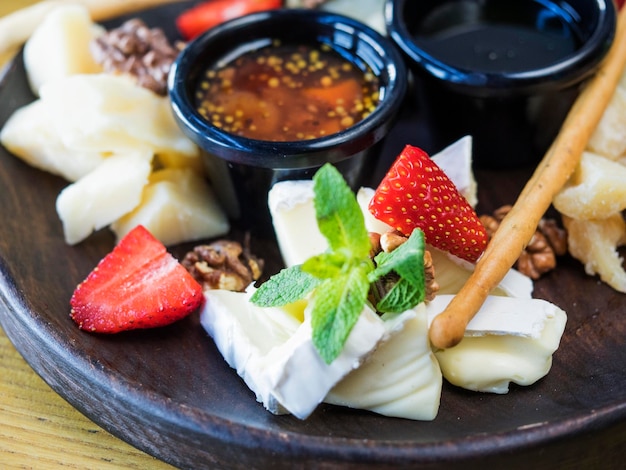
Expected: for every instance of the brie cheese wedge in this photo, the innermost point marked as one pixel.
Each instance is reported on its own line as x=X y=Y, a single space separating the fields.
x=401 y=378
x=510 y=340
x=273 y=351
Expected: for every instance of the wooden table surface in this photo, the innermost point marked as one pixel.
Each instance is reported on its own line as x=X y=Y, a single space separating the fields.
x=40 y=430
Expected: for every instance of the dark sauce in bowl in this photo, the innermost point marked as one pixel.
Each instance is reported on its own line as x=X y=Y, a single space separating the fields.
x=504 y=71
x=490 y=36
x=287 y=92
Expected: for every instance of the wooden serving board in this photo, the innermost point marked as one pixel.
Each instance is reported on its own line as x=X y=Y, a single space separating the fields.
x=169 y=392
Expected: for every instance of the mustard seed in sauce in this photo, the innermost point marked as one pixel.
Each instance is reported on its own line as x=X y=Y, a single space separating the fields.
x=287 y=93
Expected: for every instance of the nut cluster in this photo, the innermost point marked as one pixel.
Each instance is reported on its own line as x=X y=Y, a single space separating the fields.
x=539 y=256
x=135 y=49
x=223 y=264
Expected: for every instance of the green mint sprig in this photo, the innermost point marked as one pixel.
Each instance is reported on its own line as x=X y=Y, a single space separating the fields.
x=340 y=279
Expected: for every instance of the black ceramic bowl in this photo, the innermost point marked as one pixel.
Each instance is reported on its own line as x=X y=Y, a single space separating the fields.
x=504 y=72
x=243 y=169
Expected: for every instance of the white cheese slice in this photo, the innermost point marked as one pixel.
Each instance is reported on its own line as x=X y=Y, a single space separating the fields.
x=29 y=134
x=451 y=273
x=401 y=379
x=274 y=354
x=456 y=162
x=502 y=315
x=509 y=340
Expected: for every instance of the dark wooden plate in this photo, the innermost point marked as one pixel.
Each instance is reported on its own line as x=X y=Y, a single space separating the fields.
x=169 y=392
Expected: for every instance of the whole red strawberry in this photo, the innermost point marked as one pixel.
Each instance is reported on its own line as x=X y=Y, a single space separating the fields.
x=138 y=285
x=416 y=193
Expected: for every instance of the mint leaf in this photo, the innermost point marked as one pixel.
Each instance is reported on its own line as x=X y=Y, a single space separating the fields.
x=337 y=305
x=325 y=266
x=338 y=213
x=285 y=287
x=401 y=297
x=407 y=263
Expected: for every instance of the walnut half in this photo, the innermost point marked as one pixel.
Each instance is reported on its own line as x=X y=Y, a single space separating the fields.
x=223 y=264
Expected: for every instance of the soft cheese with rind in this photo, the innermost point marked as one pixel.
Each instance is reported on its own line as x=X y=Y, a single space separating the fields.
x=293 y=217
x=508 y=341
x=401 y=378
x=300 y=239
x=274 y=354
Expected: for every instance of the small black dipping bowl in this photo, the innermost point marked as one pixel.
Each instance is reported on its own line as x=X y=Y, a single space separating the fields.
x=242 y=170
x=506 y=72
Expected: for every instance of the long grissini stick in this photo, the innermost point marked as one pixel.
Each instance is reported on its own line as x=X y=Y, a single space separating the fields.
x=518 y=227
x=17 y=27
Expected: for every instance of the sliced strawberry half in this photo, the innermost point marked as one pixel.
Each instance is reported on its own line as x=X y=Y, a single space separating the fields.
x=416 y=193
x=138 y=285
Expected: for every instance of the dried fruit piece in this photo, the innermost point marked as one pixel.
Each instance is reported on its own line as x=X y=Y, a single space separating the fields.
x=594 y=243
x=595 y=191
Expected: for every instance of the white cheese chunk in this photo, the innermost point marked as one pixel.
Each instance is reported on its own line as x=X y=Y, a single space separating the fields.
x=177 y=205
x=509 y=340
x=59 y=46
x=401 y=379
x=295 y=225
x=29 y=134
x=274 y=354
x=103 y=195
x=110 y=113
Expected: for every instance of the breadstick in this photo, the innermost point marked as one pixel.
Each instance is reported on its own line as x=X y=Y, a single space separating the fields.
x=518 y=227
x=17 y=27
